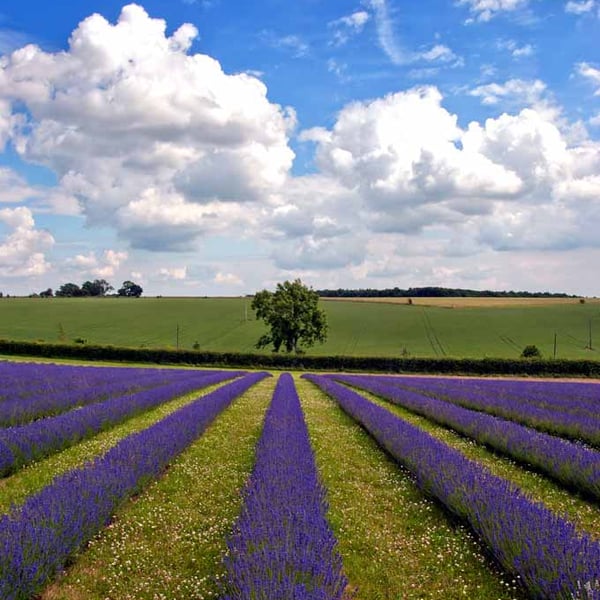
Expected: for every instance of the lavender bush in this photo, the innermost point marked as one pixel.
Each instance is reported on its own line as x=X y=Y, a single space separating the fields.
x=552 y=559
x=568 y=463
x=281 y=545
x=39 y=537
x=32 y=391
x=26 y=443
x=570 y=410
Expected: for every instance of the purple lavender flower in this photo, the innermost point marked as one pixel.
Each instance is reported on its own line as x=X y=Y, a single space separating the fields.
x=31 y=391
x=26 y=443
x=38 y=538
x=281 y=545
x=567 y=409
x=568 y=463
x=552 y=559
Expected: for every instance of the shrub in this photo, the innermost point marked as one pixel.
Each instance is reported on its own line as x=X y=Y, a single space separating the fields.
x=531 y=351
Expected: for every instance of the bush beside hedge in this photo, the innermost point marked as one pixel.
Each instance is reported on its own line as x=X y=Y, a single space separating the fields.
x=465 y=366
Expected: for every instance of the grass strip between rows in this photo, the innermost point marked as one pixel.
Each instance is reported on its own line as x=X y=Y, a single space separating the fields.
x=15 y=488
x=552 y=559
x=38 y=538
x=282 y=545
x=169 y=542
x=572 y=465
x=395 y=542
x=511 y=400
x=582 y=511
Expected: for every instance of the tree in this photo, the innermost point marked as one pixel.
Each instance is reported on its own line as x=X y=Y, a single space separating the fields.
x=98 y=287
x=46 y=293
x=68 y=290
x=293 y=316
x=130 y=290
x=531 y=351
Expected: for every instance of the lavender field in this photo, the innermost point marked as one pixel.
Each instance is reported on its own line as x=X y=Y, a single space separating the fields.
x=139 y=483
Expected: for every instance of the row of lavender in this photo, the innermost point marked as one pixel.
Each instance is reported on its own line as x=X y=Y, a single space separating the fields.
x=571 y=464
x=552 y=559
x=281 y=545
x=38 y=538
x=33 y=391
x=23 y=444
x=567 y=409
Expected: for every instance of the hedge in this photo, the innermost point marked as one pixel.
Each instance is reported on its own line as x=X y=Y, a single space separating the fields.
x=463 y=366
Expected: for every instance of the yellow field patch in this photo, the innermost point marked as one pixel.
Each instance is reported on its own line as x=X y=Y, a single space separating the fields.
x=468 y=302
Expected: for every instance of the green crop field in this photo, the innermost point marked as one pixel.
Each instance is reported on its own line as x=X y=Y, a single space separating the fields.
x=355 y=328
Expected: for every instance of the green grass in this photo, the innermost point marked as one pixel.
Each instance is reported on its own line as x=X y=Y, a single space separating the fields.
x=355 y=328
x=33 y=477
x=168 y=543
x=583 y=512
x=395 y=542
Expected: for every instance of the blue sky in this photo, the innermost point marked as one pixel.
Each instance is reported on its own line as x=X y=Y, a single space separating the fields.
x=218 y=147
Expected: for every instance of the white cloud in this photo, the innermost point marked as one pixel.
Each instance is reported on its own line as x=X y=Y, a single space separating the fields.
x=514 y=48
x=101 y=267
x=346 y=27
x=228 y=279
x=385 y=33
x=13 y=187
x=485 y=10
x=513 y=91
x=174 y=273
x=439 y=53
x=129 y=121
x=595 y=120
x=22 y=252
x=579 y=8
x=592 y=73
x=515 y=182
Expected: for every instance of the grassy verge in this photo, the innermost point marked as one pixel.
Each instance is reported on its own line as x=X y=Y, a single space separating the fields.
x=395 y=542
x=169 y=541
x=32 y=478
x=576 y=508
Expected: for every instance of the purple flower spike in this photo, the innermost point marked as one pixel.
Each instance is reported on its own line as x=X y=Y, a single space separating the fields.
x=281 y=545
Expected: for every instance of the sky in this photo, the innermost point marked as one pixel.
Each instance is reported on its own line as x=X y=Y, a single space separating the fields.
x=217 y=147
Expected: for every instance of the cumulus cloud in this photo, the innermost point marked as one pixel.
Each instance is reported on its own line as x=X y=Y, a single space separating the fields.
x=129 y=120
x=102 y=267
x=513 y=182
x=513 y=91
x=173 y=273
x=485 y=10
x=22 y=252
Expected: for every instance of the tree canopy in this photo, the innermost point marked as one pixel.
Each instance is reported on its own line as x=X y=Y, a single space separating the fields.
x=293 y=316
x=130 y=290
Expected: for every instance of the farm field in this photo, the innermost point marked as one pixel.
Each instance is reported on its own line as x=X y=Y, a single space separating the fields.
x=402 y=487
x=430 y=327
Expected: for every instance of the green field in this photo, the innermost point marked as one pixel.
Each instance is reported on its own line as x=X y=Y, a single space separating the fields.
x=355 y=328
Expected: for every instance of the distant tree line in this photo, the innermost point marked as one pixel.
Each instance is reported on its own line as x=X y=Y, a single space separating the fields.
x=96 y=288
x=434 y=292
